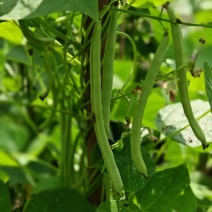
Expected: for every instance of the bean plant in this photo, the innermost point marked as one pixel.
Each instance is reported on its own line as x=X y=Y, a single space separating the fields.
x=101 y=106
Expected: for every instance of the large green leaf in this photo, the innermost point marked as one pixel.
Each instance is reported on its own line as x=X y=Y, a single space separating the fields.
x=22 y=9
x=5 y=204
x=168 y=190
x=60 y=199
x=171 y=118
x=132 y=179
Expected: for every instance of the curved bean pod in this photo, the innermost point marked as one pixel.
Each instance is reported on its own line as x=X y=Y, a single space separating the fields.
x=95 y=80
x=139 y=110
x=35 y=39
x=181 y=74
x=107 y=82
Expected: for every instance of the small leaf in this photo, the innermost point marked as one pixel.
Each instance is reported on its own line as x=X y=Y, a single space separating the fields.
x=168 y=190
x=171 y=118
x=208 y=83
x=5 y=204
x=133 y=180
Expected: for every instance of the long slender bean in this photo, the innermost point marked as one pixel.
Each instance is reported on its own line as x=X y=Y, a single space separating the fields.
x=181 y=74
x=139 y=110
x=107 y=82
x=95 y=79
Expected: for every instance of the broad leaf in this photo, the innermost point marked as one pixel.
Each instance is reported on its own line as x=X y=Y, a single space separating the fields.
x=168 y=190
x=5 y=204
x=7 y=31
x=22 y=9
x=133 y=180
x=171 y=118
x=60 y=199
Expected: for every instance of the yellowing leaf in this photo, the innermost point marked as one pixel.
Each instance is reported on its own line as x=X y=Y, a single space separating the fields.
x=6 y=160
x=10 y=32
x=148 y=3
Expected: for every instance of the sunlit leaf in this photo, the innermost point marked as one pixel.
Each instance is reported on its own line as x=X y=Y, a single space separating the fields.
x=10 y=32
x=20 y=9
x=171 y=118
x=6 y=159
x=148 y=3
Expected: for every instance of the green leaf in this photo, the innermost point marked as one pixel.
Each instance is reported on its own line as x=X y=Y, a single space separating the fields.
x=17 y=175
x=171 y=119
x=168 y=190
x=59 y=199
x=10 y=32
x=132 y=179
x=13 y=135
x=148 y=3
x=112 y=206
x=23 y=9
x=5 y=204
x=208 y=83
x=6 y=160
x=49 y=183
x=18 y=54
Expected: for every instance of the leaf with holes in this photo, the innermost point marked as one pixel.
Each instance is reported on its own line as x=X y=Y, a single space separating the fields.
x=168 y=190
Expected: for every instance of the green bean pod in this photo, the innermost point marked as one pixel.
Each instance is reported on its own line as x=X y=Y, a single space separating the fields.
x=107 y=82
x=139 y=110
x=95 y=80
x=182 y=80
x=34 y=39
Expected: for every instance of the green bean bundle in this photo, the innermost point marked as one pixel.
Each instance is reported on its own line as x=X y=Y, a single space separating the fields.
x=95 y=80
x=107 y=82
